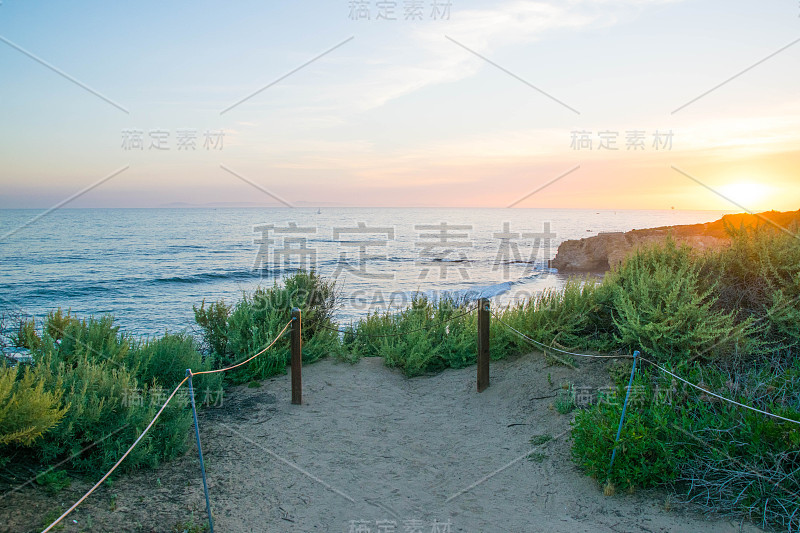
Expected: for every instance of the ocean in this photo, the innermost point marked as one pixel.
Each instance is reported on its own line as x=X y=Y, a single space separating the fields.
x=148 y=267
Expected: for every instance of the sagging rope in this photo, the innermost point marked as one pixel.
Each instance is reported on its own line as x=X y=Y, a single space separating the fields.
x=518 y=332
x=153 y=421
x=399 y=334
x=706 y=391
x=659 y=367
x=237 y=365
x=76 y=504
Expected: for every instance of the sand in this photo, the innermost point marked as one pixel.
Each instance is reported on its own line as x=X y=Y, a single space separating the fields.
x=371 y=448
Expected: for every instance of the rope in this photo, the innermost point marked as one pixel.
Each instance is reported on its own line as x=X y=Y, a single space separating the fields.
x=734 y=402
x=237 y=365
x=556 y=349
x=353 y=332
x=76 y=504
x=153 y=421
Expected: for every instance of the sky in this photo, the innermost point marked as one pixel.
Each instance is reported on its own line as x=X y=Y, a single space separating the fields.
x=618 y=104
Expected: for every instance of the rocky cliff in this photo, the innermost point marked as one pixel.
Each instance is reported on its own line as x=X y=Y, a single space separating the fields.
x=606 y=250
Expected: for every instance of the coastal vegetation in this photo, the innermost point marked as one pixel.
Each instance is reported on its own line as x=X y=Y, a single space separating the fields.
x=726 y=320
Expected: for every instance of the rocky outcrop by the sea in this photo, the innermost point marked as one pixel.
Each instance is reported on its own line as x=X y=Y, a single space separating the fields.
x=606 y=250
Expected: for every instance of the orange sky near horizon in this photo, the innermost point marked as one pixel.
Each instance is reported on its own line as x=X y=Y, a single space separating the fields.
x=485 y=109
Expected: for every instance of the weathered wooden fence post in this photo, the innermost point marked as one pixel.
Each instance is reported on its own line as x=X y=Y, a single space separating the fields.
x=297 y=358
x=483 y=344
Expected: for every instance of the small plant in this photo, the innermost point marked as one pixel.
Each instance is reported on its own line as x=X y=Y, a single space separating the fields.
x=537 y=457
x=54 y=481
x=50 y=517
x=254 y=384
x=664 y=307
x=565 y=400
x=538 y=440
x=86 y=388
x=190 y=526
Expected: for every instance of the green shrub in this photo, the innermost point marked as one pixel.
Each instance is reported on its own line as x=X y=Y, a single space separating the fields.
x=90 y=393
x=661 y=308
x=237 y=332
x=72 y=339
x=54 y=480
x=577 y=317
x=426 y=337
x=213 y=321
x=164 y=360
x=707 y=449
x=758 y=278
x=565 y=400
x=27 y=410
x=108 y=409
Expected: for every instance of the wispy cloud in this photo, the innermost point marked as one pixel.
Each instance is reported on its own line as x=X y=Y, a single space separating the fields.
x=436 y=61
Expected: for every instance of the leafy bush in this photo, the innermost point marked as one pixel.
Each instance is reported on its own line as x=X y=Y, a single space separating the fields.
x=727 y=320
x=91 y=396
x=758 y=278
x=578 y=316
x=661 y=307
x=214 y=323
x=54 y=480
x=164 y=360
x=724 y=457
x=27 y=410
x=426 y=337
x=237 y=332
x=108 y=409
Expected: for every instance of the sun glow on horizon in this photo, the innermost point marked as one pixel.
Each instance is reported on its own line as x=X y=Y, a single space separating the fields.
x=747 y=193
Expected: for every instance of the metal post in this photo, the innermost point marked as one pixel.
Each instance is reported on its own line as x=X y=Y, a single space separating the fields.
x=200 y=451
x=297 y=358
x=624 y=408
x=483 y=344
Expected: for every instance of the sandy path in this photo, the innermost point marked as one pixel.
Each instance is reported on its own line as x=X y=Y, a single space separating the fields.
x=369 y=445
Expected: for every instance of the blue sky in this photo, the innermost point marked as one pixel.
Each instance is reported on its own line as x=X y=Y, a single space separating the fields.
x=404 y=113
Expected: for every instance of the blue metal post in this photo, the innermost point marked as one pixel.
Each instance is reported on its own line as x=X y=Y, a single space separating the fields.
x=624 y=408
x=200 y=451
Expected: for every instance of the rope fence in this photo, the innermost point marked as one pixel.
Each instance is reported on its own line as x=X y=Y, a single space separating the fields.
x=546 y=347
x=483 y=358
x=76 y=504
x=656 y=365
x=188 y=378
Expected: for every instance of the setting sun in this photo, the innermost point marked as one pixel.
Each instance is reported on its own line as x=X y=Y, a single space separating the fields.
x=746 y=193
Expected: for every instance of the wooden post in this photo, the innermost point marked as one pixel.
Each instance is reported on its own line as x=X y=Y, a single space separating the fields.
x=483 y=344
x=297 y=358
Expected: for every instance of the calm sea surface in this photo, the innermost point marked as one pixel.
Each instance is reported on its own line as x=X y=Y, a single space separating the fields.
x=148 y=267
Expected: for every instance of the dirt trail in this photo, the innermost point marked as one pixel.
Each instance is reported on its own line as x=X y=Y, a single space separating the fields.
x=369 y=446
